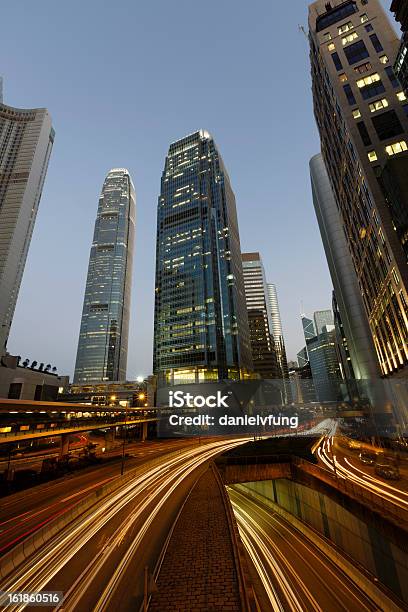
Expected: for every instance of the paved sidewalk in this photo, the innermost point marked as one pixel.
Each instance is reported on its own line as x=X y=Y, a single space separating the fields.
x=198 y=573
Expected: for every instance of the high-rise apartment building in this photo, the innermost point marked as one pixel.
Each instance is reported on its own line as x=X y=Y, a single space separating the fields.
x=400 y=8
x=263 y=346
x=276 y=328
x=103 y=337
x=26 y=139
x=349 y=301
x=360 y=109
x=201 y=325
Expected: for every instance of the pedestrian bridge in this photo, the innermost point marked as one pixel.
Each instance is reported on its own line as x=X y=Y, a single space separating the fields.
x=26 y=419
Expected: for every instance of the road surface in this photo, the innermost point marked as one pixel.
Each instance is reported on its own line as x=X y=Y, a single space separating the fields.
x=295 y=574
x=98 y=560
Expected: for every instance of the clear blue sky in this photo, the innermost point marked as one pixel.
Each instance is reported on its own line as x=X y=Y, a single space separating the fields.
x=122 y=80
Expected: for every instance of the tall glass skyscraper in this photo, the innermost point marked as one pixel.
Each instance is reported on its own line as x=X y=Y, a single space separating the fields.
x=308 y=328
x=26 y=140
x=103 y=338
x=276 y=327
x=201 y=326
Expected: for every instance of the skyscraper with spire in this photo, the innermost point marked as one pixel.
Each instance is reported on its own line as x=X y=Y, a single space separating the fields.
x=103 y=337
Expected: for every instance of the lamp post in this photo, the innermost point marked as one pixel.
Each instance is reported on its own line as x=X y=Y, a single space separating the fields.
x=122 y=467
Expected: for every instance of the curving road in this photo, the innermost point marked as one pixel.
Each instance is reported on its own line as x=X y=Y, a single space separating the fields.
x=98 y=560
x=295 y=574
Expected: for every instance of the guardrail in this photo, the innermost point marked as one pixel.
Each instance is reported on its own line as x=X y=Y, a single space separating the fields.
x=62 y=428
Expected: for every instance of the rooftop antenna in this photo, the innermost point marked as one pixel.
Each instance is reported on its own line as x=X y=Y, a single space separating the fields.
x=302 y=29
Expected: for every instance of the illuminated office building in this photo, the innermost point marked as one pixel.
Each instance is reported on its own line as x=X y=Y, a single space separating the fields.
x=361 y=113
x=26 y=140
x=201 y=325
x=400 y=8
x=103 y=337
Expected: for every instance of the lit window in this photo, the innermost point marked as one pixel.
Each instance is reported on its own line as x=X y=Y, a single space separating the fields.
x=378 y=105
x=363 y=18
x=349 y=38
x=366 y=67
x=396 y=147
x=384 y=59
x=343 y=78
x=356 y=113
x=331 y=47
x=395 y=276
x=372 y=156
x=327 y=37
x=401 y=96
x=346 y=27
x=368 y=80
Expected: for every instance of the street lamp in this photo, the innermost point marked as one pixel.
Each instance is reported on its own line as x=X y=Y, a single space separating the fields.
x=122 y=467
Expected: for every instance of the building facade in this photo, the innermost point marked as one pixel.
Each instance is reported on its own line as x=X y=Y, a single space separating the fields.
x=320 y=354
x=400 y=8
x=103 y=337
x=309 y=330
x=322 y=318
x=360 y=110
x=349 y=302
x=113 y=393
x=263 y=347
x=324 y=365
x=201 y=328
x=22 y=381
x=302 y=390
x=277 y=332
x=26 y=140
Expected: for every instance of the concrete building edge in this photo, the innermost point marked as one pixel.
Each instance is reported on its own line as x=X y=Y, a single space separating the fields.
x=247 y=594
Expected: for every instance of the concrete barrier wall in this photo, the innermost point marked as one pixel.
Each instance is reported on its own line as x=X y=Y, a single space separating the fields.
x=358 y=540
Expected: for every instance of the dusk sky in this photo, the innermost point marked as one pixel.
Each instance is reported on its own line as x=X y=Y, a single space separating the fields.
x=122 y=81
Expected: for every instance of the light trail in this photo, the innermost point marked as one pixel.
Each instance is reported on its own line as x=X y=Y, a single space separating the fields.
x=276 y=565
x=354 y=474
x=279 y=547
x=35 y=573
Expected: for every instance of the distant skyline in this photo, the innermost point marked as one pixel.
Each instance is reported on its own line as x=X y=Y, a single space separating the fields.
x=122 y=84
